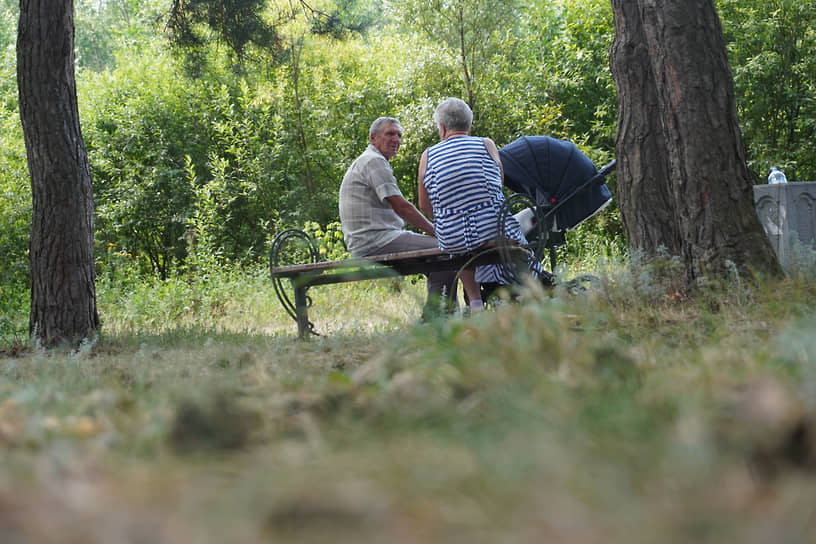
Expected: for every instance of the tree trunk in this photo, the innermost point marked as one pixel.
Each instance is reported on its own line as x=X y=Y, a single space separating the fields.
x=297 y=50
x=63 y=295
x=641 y=147
x=682 y=178
x=463 y=55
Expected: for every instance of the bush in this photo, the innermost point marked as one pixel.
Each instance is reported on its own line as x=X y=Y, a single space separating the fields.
x=15 y=195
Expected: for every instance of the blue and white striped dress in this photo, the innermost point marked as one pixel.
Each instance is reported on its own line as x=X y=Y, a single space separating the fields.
x=465 y=189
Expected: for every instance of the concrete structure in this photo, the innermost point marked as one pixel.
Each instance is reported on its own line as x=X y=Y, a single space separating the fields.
x=788 y=214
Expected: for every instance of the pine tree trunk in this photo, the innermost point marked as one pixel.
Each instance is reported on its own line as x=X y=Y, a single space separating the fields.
x=641 y=147
x=63 y=295
x=682 y=177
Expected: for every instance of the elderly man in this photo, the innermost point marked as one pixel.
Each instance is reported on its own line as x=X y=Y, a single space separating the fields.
x=373 y=211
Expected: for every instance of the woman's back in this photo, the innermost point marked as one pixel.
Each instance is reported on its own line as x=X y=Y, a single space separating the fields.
x=461 y=174
x=464 y=187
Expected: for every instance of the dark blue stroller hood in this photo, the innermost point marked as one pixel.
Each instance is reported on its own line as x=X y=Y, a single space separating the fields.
x=550 y=171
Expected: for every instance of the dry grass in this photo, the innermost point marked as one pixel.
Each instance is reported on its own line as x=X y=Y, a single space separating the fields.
x=611 y=416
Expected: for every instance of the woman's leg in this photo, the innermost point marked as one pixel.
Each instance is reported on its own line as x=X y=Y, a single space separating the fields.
x=474 y=295
x=441 y=285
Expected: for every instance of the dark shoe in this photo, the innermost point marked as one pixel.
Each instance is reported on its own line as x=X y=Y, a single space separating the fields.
x=437 y=307
x=546 y=280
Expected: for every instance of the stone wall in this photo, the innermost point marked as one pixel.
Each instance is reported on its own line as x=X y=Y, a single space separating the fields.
x=788 y=214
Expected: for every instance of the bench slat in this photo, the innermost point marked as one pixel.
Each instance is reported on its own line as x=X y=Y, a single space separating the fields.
x=389 y=259
x=304 y=276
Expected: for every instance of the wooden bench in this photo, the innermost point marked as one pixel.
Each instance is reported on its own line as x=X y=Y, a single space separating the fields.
x=306 y=275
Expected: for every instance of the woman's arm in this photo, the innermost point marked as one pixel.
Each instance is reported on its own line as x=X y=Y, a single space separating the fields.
x=494 y=152
x=422 y=192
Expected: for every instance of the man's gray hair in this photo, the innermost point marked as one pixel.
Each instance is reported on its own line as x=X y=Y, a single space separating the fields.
x=379 y=125
x=454 y=113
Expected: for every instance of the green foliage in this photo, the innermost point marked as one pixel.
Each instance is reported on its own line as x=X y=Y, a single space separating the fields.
x=239 y=23
x=771 y=50
x=329 y=240
x=257 y=28
x=209 y=294
x=15 y=225
x=15 y=192
x=193 y=168
x=104 y=28
x=581 y=80
x=598 y=240
x=550 y=75
x=207 y=168
x=237 y=195
x=468 y=29
x=141 y=121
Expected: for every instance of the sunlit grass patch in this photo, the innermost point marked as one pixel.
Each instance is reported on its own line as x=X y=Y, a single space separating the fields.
x=241 y=302
x=367 y=306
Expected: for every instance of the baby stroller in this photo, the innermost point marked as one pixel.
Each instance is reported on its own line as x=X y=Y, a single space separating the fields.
x=556 y=188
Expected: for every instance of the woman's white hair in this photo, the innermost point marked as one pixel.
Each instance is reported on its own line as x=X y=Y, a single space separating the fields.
x=454 y=113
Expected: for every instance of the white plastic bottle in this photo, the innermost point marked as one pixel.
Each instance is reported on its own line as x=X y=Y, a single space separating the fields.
x=776 y=176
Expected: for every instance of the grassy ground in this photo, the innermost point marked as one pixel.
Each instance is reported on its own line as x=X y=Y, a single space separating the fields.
x=624 y=414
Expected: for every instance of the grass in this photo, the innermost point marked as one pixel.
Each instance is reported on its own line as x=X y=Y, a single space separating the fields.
x=627 y=413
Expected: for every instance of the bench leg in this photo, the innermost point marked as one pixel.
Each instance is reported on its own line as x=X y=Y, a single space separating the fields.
x=301 y=312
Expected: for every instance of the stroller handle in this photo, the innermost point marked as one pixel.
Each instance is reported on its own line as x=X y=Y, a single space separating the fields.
x=603 y=172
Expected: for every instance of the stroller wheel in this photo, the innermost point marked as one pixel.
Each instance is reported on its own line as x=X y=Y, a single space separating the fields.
x=546 y=280
x=488 y=289
x=583 y=283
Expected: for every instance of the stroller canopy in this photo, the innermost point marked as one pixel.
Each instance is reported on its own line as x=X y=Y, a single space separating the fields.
x=550 y=171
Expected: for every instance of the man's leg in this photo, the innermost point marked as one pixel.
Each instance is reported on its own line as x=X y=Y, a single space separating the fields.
x=408 y=241
x=439 y=283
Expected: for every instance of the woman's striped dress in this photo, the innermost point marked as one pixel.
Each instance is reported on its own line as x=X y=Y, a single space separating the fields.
x=464 y=187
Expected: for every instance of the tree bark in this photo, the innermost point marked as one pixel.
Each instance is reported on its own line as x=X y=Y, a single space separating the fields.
x=297 y=50
x=682 y=178
x=641 y=148
x=63 y=295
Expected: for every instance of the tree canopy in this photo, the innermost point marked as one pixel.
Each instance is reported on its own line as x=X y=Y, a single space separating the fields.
x=216 y=160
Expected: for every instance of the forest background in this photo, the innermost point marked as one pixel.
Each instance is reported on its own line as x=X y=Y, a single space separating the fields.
x=200 y=156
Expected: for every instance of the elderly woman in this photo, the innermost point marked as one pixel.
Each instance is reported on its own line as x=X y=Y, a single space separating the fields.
x=460 y=188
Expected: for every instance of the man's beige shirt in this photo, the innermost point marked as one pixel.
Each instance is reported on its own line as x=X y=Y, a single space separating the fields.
x=369 y=222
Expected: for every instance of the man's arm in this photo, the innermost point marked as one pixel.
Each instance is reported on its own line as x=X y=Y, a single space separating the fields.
x=410 y=214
